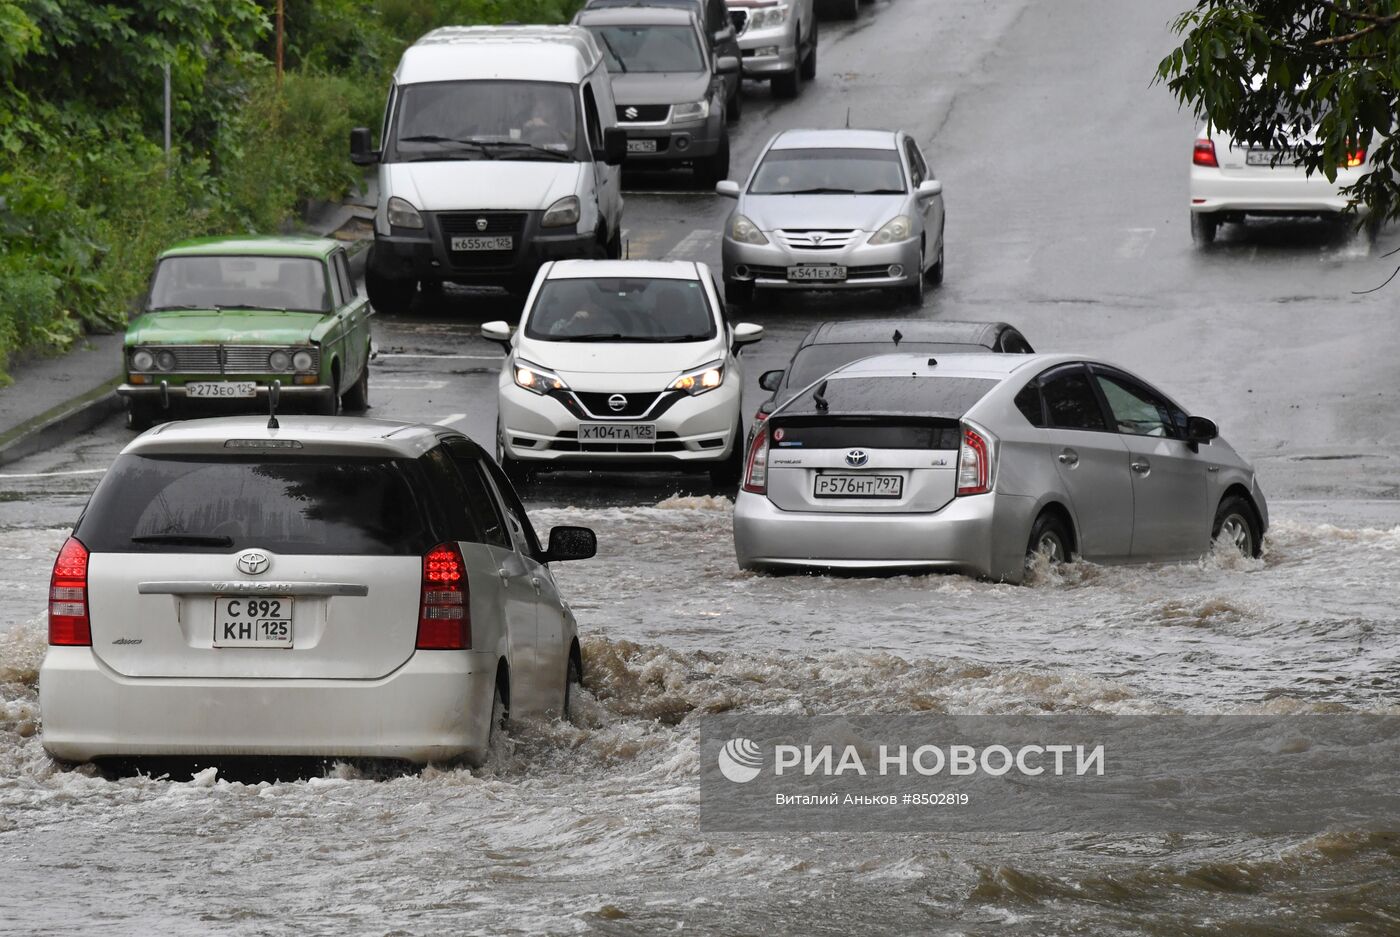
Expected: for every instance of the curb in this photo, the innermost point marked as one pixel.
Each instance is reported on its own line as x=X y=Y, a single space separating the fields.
x=54 y=425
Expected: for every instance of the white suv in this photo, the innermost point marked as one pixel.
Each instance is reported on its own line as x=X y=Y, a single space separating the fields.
x=621 y=364
x=331 y=588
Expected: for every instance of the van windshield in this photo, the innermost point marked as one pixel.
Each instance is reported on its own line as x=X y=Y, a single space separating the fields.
x=453 y=120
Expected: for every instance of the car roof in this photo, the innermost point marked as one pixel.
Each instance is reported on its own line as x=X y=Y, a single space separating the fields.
x=635 y=15
x=996 y=367
x=514 y=53
x=646 y=269
x=253 y=246
x=315 y=436
x=862 y=331
x=847 y=139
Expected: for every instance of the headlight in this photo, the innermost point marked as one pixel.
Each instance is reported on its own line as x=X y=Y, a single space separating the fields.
x=697 y=111
x=403 y=215
x=142 y=360
x=899 y=229
x=165 y=360
x=561 y=213
x=700 y=380
x=762 y=19
x=536 y=379
x=745 y=231
x=279 y=361
x=303 y=360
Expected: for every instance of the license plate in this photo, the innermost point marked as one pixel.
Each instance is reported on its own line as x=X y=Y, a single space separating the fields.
x=859 y=486
x=501 y=242
x=255 y=621
x=221 y=389
x=1266 y=158
x=816 y=273
x=641 y=146
x=617 y=432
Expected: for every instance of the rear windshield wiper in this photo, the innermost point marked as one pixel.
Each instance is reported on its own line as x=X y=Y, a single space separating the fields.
x=191 y=540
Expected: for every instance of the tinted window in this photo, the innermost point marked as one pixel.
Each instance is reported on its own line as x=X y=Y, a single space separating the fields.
x=621 y=309
x=479 y=498
x=877 y=433
x=307 y=505
x=457 y=514
x=342 y=272
x=1136 y=410
x=916 y=165
x=514 y=509
x=642 y=49
x=1070 y=400
x=590 y=116
x=432 y=119
x=921 y=396
x=813 y=361
x=290 y=283
x=1028 y=402
x=1012 y=342
x=828 y=171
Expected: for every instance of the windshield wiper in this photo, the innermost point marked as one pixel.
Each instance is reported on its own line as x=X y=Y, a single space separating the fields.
x=880 y=192
x=478 y=145
x=533 y=147
x=684 y=338
x=819 y=191
x=607 y=43
x=191 y=540
x=180 y=306
x=222 y=306
x=596 y=337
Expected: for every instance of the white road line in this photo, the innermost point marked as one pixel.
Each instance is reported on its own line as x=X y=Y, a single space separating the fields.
x=445 y=357
x=55 y=474
x=1135 y=242
x=697 y=245
x=451 y=418
x=409 y=385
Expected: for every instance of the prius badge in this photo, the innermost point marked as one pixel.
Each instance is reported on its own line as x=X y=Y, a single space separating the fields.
x=857 y=457
x=253 y=562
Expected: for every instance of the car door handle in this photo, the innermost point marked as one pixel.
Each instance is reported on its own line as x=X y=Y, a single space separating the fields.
x=1142 y=466
x=1068 y=457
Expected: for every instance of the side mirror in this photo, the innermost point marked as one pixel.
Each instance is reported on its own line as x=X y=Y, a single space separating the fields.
x=929 y=188
x=746 y=333
x=571 y=543
x=614 y=146
x=498 y=332
x=362 y=151
x=767 y=407
x=728 y=188
x=770 y=380
x=726 y=65
x=1200 y=430
x=725 y=34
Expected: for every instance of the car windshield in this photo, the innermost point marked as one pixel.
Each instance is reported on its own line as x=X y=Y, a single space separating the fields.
x=453 y=120
x=816 y=360
x=305 y=505
x=631 y=49
x=621 y=309
x=829 y=171
x=293 y=284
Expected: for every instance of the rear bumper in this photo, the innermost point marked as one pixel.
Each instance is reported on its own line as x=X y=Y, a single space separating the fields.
x=436 y=707
x=983 y=535
x=1285 y=192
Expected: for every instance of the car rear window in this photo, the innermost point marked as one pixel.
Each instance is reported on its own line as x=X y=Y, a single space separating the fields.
x=948 y=397
x=865 y=432
x=815 y=360
x=300 y=505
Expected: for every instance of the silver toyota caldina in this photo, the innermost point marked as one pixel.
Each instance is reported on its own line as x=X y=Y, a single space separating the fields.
x=974 y=463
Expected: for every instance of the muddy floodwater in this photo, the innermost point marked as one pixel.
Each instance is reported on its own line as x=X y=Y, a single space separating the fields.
x=592 y=828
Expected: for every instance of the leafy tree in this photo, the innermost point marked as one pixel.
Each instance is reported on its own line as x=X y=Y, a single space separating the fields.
x=1318 y=77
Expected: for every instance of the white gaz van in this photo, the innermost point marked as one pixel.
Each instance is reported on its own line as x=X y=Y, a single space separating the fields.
x=499 y=152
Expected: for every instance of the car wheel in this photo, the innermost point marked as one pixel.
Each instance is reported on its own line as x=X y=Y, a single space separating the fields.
x=1049 y=538
x=711 y=170
x=1237 y=524
x=614 y=251
x=734 y=107
x=935 y=273
x=914 y=293
x=139 y=415
x=786 y=85
x=574 y=678
x=500 y=717
x=329 y=404
x=739 y=293
x=725 y=475
x=391 y=297
x=356 y=399
x=809 y=63
x=1203 y=227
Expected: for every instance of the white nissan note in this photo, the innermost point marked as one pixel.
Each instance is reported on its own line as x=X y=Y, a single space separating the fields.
x=329 y=588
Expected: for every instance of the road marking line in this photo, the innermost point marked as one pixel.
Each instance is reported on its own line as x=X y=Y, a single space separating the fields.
x=410 y=385
x=450 y=419
x=54 y=474
x=1136 y=242
x=697 y=245
x=446 y=357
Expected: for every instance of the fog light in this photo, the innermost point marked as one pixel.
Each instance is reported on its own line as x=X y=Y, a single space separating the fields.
x=742 y=272
x=682 y=143
x=896 y=271
x=138 y=378
x=766 y=50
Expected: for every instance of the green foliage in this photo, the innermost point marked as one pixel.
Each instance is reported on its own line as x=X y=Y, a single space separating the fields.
x=1269 y=72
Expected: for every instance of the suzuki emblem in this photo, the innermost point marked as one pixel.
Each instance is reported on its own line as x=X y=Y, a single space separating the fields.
x=631 y=113
x=253 y=562
x=617 y=403
x=857 y=457
x=481 y=224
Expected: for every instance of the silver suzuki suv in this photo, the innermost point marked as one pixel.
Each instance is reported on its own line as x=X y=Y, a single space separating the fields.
x=974 y=463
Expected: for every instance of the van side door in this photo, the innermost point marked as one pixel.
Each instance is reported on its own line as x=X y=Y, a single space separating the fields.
x=600 y=113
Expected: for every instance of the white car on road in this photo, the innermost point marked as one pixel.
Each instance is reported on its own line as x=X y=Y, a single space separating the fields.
x=622 y=364
x=333 y=588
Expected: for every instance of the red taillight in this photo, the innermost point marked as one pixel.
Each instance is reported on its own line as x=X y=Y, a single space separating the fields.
x=756 y=466
x=974 y=464
x=1204 y=154
x=68 y=605
x=444 y=614
x=1355 y=158
x=760 y=417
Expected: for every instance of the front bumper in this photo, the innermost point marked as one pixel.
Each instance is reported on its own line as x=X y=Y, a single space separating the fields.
x=982 y=535
x=544 y=430
x=867 y=265
x=782 y=37
x=164 y=393
x=1283 y=192
x=676 y=143
x=423 y=254
x=436 y=707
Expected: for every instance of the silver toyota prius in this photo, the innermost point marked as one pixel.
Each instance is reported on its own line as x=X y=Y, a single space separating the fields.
x=974 y=463
x=835 y=209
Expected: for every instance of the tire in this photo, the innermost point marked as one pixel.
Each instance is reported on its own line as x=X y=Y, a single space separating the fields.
x=500 y=717
x=391 y=297
x=935 y=273
x=573 y=678
x=734 y=107
x=739 y=293
x=914 y=295
x=1371 y=227
x=614 y=249
x=356 y=399
x=1049 y=535
x=725 y=475
x=1237 y=521
x=1203 y=227
x=808 y=67
x=841 y=9
x=712 y=169
x=139 y=415
x=329 y=405
x=786 y=85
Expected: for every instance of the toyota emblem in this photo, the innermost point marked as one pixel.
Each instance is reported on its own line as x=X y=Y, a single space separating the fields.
x=482 y=224
x=253 y=562
x=857 y=457
x=631 y=113
x=617 y=403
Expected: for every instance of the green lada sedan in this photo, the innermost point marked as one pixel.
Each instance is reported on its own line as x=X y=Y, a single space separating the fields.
x=226 y=318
